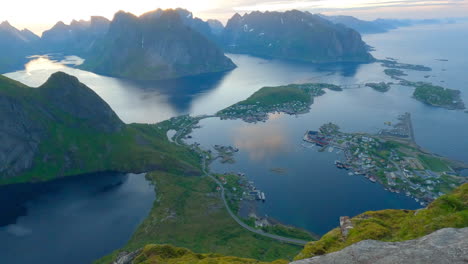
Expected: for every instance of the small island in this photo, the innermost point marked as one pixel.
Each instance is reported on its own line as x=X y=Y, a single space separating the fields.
x=393 y=159
x=291 y=99
x=437 y=96
x=394 y=64
x=381 y=87
x=395 y=73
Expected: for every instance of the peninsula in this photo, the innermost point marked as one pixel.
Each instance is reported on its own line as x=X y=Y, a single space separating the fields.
x=291 y=99
x=393 y=159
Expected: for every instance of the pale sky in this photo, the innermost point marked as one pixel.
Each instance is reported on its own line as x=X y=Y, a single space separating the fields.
x=39 y=15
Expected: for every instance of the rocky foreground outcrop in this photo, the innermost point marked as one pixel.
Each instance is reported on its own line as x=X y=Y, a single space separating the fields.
x=448 y=245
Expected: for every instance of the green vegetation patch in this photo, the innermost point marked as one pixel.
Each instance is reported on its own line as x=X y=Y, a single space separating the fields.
x=380 y=87
x=291 y=99
x=395 y=73
x=434 y=164
x=167 y=254
x=437 y=95
x=280 y=94
x=397 y=225
x=189 y=213
x=289 y=231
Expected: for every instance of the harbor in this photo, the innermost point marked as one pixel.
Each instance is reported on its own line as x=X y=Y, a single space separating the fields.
x=390 y=158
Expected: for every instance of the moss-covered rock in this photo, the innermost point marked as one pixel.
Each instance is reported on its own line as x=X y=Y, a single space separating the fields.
x=397 y=225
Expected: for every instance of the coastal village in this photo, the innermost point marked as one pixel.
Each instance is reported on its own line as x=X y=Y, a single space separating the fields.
x=290 y=99
x=392 y=159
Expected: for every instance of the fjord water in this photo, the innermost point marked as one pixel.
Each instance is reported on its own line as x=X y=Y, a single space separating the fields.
x=75 y=220
x=311 y=193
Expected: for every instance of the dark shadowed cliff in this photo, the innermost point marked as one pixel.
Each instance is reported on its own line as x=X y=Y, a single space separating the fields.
x=156 y=45
x=294 y=35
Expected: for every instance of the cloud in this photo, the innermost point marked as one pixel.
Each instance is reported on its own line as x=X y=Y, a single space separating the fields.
x=250 y=5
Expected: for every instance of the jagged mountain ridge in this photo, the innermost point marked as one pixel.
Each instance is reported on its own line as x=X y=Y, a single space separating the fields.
x=294 y=35
x=76 y=38
x=156 y=45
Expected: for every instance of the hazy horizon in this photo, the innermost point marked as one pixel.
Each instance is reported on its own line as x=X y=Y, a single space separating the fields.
x=39 y=17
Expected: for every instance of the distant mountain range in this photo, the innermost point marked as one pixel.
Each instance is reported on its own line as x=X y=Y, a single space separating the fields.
x=77 y=38
x=294 y=35
x=381 y=25
x=173 y=43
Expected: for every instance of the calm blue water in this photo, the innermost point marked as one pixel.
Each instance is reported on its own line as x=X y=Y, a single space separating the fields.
x=74 y=220
x=311 y=194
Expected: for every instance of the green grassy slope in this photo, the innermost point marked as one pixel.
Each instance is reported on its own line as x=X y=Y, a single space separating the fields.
x=166 y=254
x=397 y=225
x=189 y=213
x=76 y=133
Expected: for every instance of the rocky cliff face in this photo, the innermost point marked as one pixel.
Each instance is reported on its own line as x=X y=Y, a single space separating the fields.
x=446 y=246
x=26 y=115
x=294 y=35
x=157 y=45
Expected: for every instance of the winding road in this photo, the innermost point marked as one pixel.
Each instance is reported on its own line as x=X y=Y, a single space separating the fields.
x=223 y=197
x=244 y=225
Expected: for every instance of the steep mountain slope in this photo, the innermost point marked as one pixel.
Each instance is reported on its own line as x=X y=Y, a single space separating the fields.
x=294 y=35
x=15 y=45
x=76 y=38
x=156 y=45
x=196 y=23
x=63 y=128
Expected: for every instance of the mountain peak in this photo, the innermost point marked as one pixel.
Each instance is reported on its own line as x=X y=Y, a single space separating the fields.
x=5 y=24
x=61 y=78
x=67 y=94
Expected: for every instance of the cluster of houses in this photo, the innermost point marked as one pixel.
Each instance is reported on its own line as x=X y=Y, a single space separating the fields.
x=253 y=113
x=396 y=171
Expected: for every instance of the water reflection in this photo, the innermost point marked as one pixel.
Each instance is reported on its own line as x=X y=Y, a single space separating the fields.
x=262 y=141
x=133 y=101
x=180 y=93
x=99 y=211
x=154 y=101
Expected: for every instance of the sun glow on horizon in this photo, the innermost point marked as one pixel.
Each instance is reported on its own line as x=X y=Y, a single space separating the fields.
x=41 y=15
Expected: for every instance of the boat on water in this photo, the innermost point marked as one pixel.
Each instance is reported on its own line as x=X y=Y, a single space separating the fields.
x=262 y=196
x=372 y=179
